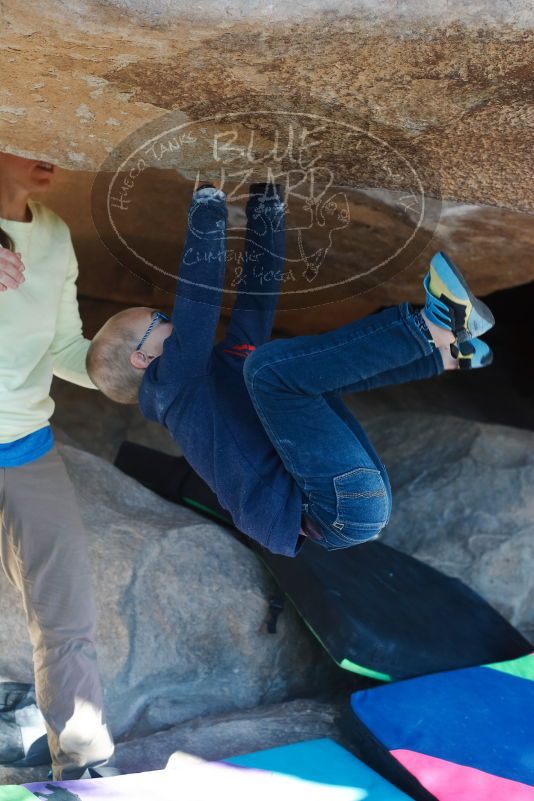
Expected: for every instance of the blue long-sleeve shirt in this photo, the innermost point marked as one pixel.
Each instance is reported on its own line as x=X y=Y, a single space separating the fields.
x=197 y=391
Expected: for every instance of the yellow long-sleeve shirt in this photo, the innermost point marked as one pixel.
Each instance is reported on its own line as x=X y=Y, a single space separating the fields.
x=40 y=325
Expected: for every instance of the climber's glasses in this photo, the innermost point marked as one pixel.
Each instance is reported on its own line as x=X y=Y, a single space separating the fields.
x=157 y=317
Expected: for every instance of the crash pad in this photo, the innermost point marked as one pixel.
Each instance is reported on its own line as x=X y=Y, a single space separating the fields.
x=324 y=762
x=201 y=782
x=377 y=612
x=463 y=735
x=13 y=792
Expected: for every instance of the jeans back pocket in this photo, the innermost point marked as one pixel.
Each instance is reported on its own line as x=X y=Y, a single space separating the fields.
x=362 y=500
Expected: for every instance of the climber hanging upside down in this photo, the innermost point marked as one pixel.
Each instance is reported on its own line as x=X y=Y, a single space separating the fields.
x=263 y=422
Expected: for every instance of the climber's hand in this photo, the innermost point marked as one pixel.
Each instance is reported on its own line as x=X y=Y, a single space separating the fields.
x=11 y=270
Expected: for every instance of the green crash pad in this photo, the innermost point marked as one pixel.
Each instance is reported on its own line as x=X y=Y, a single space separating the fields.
x=12 y=792
x=324 y=762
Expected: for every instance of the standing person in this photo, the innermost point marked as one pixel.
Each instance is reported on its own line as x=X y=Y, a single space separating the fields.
x=42 y=540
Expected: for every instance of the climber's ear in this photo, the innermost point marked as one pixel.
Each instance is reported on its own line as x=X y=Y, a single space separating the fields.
x=140 y=360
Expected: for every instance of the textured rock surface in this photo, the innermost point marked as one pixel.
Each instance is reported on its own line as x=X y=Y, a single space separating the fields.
x=182 y=608
x=463 y=501
x=10 y=775
x=215 y=738
x=442 y=84
x=438 y=78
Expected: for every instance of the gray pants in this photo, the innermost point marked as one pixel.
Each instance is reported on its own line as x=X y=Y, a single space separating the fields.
x=44 y=554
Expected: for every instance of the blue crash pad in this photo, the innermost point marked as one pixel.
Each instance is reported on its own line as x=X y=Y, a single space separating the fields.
x=325 y=762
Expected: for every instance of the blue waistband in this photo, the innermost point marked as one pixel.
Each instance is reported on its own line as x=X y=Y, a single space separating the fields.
x=26 y=449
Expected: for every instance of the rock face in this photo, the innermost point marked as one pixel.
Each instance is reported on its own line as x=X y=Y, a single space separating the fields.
x=408 y=104
x=215 y=738
x=429 y=76
x=463 y=501
x=182 y=607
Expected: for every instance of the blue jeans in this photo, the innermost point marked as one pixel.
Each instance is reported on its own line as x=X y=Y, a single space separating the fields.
x=296 y=384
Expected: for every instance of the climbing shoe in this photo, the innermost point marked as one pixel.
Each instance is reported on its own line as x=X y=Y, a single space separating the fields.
x=471 y=354
x=100 y=773
x=451 y=304
x=97 y=772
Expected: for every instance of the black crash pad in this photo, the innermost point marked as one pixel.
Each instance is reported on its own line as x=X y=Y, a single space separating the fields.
x=377 y=612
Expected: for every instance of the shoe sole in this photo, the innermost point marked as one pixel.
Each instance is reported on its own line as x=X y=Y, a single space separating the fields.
x=481 y=318
x=465 y=364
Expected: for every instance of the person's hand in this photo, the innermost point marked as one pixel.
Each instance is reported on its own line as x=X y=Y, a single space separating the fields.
x=11 y=270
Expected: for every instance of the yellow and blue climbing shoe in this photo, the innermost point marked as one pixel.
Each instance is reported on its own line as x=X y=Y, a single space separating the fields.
x=451 y=304
x=472 y=353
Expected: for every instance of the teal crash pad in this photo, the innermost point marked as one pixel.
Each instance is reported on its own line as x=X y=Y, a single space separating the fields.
x=325 y=762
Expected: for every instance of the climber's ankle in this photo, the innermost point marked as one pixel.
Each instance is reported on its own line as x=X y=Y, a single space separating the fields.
x=441 y=336
x=449 y=362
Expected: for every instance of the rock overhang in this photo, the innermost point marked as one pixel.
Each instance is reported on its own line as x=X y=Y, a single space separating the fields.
x=443 y=85
x=439 y=80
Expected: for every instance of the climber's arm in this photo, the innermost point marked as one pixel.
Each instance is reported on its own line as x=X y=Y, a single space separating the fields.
x=258 y=278
x=199 y=288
